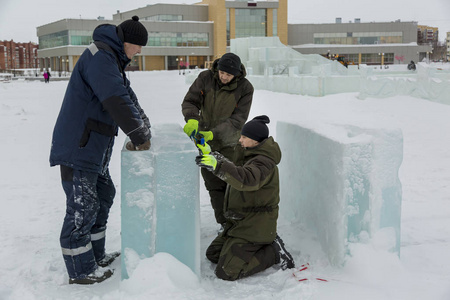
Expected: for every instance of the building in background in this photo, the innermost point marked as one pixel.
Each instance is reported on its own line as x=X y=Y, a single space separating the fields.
x=180 y=35
x=447 y=43
x=427 y=35
x=193 y=35
x=15 y=56
x=355 y=42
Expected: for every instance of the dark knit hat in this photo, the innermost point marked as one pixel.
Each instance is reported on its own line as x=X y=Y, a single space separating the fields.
x=134 y=32
x=257 y=129
x=230 y=63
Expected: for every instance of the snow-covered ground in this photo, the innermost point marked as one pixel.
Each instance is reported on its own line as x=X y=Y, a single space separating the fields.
x=33 y=205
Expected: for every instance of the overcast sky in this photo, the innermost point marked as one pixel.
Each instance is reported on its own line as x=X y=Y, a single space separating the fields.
x=19 y=18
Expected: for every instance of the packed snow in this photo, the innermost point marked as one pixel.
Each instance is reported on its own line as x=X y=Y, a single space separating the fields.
x=34 y=205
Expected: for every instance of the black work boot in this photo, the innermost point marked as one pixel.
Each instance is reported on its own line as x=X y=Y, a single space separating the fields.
x=108 y=259
x=286 y=260
x=97 y=276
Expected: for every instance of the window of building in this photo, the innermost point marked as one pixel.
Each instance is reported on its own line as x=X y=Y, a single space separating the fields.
x=369 y=58
x=52 y=40
x=178 y=39
x=166 y=18
x=358 y=38
x=228 y=27
x=250 y=22
x=80 y=37
x=275 y=22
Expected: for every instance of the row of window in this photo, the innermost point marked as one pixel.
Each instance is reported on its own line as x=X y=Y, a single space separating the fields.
x=369 y=58
x=178 y=39
x=156 y=39
x=166 y=18
x=360 y=40
x=357 y=34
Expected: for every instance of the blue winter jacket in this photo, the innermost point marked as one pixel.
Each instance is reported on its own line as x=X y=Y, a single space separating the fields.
x=98 y=100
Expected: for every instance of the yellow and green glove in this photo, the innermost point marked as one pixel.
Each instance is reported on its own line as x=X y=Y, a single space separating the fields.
x=191 y=128
x=207 y=135
x=205 y=148
x=207 y=161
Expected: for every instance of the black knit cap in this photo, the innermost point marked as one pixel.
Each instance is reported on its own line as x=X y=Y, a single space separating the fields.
x=230 y=63
x=134 y=32
x=257 y=129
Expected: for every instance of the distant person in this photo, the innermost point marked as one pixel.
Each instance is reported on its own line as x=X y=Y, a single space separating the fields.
x=48 y=76
x=215 y=108
x=98 y=100
x=249 y=242
x=412 y=66
x=45 y=77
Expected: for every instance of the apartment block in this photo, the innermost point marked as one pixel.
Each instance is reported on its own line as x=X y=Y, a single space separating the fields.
x=18 y=55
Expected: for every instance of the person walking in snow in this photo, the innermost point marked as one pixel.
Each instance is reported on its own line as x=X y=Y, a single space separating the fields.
x=46 y=77
x=98 y=100
x=249 y=242
x=215 y=108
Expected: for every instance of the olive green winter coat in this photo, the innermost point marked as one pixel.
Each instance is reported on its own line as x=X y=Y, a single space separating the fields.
x=222 y=109
x=252 y=196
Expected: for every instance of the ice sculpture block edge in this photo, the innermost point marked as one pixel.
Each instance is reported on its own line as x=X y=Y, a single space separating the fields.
x=160 y=203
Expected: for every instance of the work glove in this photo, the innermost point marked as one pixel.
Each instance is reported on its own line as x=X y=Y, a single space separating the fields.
x=207 y=161
x=207 y=135
x=131 y=147
x=205 y=148
x=191 y=128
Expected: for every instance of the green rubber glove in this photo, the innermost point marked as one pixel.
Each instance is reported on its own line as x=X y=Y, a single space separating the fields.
x=207 y=135
x=205 y=148
x=207 y=161
x=191 y=128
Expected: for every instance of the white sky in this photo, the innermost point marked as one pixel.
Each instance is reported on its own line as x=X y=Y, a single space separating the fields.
x=19 y=18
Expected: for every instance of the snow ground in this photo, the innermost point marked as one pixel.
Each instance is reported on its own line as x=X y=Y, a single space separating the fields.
x=34 y=203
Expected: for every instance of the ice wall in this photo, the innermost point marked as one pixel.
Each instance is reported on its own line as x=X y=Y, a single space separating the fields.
x=273 y=66
x=160 y=200
x=427 y=82
x=341 y=182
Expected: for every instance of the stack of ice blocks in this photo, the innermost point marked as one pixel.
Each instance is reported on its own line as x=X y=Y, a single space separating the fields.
x=160 y=199
x=341 y=182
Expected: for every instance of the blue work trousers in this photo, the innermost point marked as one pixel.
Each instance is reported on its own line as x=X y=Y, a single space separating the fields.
x=89 y=199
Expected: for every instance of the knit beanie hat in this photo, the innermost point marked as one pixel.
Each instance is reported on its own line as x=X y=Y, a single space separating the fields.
x=134 y=32
x=257 y=129
x=230 y=63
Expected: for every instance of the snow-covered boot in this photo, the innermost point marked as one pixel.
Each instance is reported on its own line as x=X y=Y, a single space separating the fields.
x=286 y=260
x=108 y=259
x=97 y=276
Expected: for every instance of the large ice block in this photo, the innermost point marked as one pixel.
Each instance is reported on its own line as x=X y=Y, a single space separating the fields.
x=161 y=199
x=341 y=182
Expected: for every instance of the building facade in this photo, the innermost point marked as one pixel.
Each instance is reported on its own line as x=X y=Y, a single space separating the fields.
x=192 y=35
x=427 y=35
x=447 y=42
x=180 y=35
x=360 y=43
x=14 y=56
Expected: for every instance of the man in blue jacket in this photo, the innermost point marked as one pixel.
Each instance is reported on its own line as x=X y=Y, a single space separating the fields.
x=97 y=102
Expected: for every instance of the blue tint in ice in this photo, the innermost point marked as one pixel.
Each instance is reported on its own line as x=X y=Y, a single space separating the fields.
x=341 y=182
x=160 y=199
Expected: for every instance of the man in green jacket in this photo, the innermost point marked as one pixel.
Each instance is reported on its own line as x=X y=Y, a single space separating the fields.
x=249 y=242
x=215 y=108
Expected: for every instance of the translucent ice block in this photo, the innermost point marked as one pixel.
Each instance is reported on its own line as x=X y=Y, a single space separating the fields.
x=160 y=199
x=341 y=182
